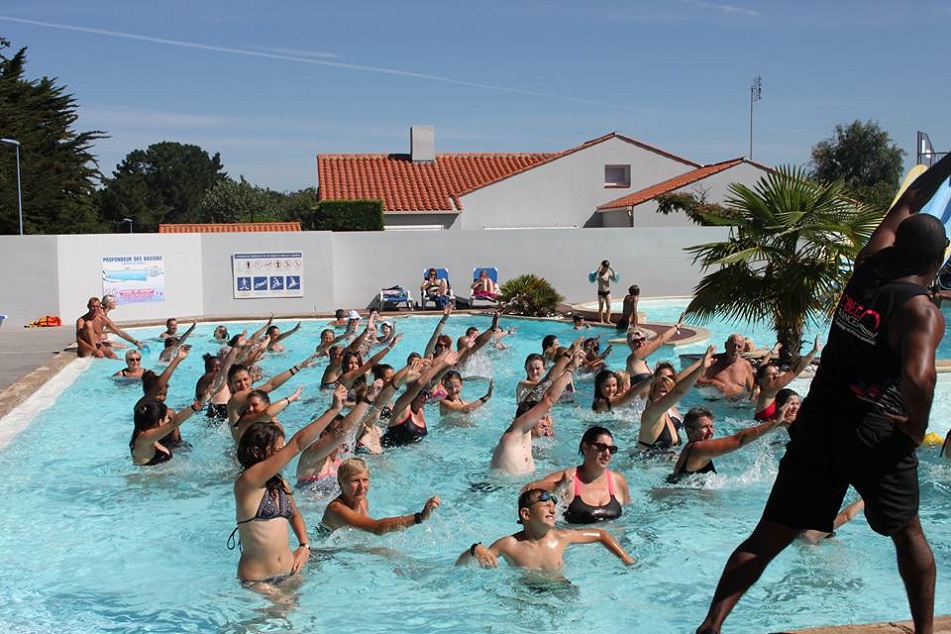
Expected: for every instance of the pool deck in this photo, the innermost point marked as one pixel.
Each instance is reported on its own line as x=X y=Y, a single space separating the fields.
x=942 y=625
x=30 y=356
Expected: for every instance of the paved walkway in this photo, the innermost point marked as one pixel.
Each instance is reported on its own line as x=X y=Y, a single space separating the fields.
x=28 y=356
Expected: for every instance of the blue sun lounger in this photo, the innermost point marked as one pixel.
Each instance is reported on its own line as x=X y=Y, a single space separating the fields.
x=394 y=296
x=477 y=296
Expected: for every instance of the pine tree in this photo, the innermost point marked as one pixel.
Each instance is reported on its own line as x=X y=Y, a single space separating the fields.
x=58 y=171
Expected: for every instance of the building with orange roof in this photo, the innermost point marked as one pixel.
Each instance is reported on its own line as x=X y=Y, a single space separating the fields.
x=590 y=185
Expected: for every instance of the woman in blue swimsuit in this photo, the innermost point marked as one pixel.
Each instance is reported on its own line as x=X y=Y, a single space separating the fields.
x=592 y=492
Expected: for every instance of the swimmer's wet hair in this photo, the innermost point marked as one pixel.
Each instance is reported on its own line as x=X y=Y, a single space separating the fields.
x=693 y=416
x=351 y=466
x=526 y=499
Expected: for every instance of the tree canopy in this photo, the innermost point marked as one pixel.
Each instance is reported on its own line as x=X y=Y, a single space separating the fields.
x=165 y=183
x=791 y=241
x=864 y=157
x=58 y=173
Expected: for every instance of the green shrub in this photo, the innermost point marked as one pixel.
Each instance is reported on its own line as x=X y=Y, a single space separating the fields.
x=348 y=215
x=529 y=295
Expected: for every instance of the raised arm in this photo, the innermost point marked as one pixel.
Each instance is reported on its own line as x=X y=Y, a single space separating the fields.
x=720 y=446
x=652 y=346
x=431 y=344
x=260 y=331
x=527 y=420
x=285 y=335
x=483 y=338
x=910 y=202
x=111 y=325
x=157 y=433
x=652 y=419
x=166 y=375
x=257 y=475
x=278 y=380
x=351 y=376
x=455 y=406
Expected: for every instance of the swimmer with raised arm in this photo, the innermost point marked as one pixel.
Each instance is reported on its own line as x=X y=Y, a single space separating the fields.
x=264 y=503
x=701 y=448
x=641 y=348
x=770 y=380
x=539 y=545
x=513 y=453
x=730 y=374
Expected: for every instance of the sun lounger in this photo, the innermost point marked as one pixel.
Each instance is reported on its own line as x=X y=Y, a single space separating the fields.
x=477 y=296
x=441 y=274
x=394 y=296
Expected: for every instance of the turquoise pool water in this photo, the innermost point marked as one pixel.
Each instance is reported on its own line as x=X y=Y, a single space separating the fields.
x=92 y=544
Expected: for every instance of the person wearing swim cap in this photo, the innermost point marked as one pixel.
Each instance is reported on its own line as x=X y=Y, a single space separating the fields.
x=539 y=545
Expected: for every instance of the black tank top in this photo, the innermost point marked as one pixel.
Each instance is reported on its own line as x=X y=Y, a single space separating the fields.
x=858 y=364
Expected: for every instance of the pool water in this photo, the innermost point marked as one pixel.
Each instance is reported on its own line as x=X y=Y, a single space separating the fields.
x=93 y=544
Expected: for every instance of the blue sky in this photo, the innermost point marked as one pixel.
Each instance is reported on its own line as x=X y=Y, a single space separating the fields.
x=270 y=85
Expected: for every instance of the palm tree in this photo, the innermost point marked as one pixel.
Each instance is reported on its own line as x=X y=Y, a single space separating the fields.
x=791 y=246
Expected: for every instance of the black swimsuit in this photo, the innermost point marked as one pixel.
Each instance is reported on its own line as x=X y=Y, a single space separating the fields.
x=405 y=433
x=681 y=469
x=665 y=440
x=580 y=512
x=159 y=457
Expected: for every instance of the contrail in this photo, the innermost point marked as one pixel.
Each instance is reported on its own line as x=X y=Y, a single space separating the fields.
x=317 y=62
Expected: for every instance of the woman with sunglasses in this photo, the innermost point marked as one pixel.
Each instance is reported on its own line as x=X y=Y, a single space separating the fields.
x=592 y=492
x=133 y=365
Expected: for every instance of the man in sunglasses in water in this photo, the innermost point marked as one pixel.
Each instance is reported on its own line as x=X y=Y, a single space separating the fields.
x=539 y=545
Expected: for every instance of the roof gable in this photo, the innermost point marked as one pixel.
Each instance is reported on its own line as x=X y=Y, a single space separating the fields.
x=436 y=186
x=669 y=185
x=406 y=186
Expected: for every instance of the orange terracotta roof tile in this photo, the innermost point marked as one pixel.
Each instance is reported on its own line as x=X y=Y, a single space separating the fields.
x=669 y=185
x=230 y=227
x=436 y=186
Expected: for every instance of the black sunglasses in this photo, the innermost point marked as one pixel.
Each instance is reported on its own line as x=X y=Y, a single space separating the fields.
x=544 y=497
x=602 y=447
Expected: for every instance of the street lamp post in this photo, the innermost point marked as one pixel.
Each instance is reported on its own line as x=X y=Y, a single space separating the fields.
x=129 y=220
x=16 y=144
x=756 y=93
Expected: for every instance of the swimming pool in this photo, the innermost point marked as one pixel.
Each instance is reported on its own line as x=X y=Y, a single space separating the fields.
x=92 y=543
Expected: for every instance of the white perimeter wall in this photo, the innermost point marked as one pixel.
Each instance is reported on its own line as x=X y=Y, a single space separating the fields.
x=56 y=274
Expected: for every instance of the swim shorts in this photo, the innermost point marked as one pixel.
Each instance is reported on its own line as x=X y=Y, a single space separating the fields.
x=827 y=454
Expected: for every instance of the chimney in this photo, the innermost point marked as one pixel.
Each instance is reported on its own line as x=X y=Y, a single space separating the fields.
x=422 y=143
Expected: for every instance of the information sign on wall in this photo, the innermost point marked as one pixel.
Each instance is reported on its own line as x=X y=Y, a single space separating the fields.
x=134 y=278
x=268 y=275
